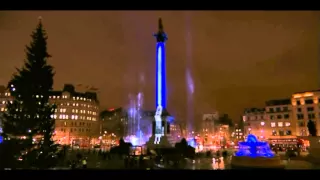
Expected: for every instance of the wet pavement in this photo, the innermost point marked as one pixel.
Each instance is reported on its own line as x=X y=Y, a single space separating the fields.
x=204 y=163
x=208 y=164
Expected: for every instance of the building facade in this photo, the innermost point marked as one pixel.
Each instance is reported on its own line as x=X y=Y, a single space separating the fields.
x=305 y=107
x=282 y=122
x=114 y=121
x=208 y=124
x=275 y=123
x=76 y=116
x=238 y=134
x=255 y=122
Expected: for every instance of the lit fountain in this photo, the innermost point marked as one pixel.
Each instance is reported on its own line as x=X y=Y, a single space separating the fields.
x=136 y=135
x=255 y=154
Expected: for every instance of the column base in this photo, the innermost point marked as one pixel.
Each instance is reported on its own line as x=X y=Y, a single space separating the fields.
x=164 y=143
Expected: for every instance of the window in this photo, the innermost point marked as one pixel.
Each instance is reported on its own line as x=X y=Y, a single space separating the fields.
x=287 y=124
x=273 y=124
x=280 y=124
x=301 y=124
x=279 y=117
x=278 y=109
x=300 y=116
x=271 y=110
x=271 y=117
x=281 y=133
x=298 y=102
x=285 y=109
x=311 y=116
x=286 y=116
x=274 y=132
x=308 y=101
x=299 y=109
x=310 y=108
x=288 y=132
x=262 y=123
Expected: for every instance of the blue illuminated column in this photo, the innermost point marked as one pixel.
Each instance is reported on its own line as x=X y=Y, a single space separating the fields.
x=161 y=96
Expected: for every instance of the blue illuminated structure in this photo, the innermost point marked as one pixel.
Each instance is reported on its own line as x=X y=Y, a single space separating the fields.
x=161 y=94
x=1 y=138
x=254 y=148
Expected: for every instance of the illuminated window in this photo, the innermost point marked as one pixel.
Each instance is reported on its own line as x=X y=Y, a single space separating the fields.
x=262 y=123
x=280 y=124
x=287 y=124
x=273 y=124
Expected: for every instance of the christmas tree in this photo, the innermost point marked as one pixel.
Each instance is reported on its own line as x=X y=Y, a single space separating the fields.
x=28 y=121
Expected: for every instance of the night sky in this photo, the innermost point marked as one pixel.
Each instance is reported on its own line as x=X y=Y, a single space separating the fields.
x=236 y=59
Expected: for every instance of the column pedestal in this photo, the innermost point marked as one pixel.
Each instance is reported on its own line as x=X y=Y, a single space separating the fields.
x=164 y=142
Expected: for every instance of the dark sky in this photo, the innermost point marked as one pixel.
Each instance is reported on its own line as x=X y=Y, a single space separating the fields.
x=237 y=59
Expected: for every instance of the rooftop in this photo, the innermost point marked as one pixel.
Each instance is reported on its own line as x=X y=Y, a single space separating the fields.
x=254 y=110
x=318 y=90
x=70 y=89
x=278 y=102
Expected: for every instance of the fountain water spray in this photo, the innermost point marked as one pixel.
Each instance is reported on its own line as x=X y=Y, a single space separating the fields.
x=136 y=134
x=254 y=148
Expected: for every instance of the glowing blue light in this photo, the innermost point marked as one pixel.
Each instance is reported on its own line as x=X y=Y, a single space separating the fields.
x=1 y=138
x=190 y=82
x=192 y=142
x=170 y=119
x=254 y=148
x=160 y=76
